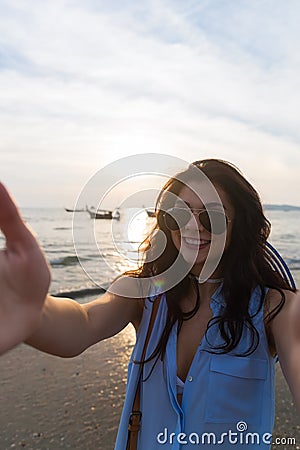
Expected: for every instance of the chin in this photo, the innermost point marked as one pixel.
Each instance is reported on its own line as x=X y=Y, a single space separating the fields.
x=199 y=261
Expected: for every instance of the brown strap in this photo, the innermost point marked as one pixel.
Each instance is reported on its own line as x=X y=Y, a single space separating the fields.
x=136 y=414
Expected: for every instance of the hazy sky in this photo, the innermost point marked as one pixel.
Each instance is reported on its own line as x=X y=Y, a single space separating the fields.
x=83 y=83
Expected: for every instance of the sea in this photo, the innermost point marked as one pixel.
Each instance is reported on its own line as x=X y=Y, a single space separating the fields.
x=76 y=403
x=85 y=255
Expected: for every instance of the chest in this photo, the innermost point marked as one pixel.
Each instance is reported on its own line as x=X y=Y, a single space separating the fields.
x=189 y=338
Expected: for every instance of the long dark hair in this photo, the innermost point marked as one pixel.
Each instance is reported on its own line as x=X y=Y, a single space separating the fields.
x=247 y=262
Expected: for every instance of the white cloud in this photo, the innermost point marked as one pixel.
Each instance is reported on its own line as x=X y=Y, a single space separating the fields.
x=85 y=83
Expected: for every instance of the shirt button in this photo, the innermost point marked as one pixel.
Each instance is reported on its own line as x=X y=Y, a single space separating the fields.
x=190 y=378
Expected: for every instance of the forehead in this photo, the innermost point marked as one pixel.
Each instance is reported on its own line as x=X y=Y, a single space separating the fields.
x=201 y=194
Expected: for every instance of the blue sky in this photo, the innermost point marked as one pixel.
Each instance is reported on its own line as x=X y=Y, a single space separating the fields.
x=85 y=83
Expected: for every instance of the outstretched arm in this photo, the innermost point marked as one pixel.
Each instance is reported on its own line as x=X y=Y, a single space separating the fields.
x=285 y=329
x=58 y=326
x=24 y=276
x=67 y=328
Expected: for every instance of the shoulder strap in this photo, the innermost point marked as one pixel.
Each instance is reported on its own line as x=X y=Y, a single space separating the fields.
x=278 y=264
x=136 y=414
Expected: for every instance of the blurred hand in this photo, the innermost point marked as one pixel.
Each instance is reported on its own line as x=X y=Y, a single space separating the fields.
x=24 y=277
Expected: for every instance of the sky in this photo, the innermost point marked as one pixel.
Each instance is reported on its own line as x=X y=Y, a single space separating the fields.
x=85 y=83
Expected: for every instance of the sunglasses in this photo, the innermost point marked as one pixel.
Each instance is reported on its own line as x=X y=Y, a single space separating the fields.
x=177 y=217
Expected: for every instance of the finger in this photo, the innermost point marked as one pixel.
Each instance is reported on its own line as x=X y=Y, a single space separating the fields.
x=11 y=222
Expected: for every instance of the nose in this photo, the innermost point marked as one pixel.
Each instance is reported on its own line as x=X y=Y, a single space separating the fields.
x=194 y=222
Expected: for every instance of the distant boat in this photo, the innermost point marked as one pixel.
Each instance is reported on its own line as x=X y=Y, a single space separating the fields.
x=99 y=214
x=151 y=213
x=75 y=210
x=116 y=214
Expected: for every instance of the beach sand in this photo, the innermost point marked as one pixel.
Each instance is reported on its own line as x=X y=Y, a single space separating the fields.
x=52 y=403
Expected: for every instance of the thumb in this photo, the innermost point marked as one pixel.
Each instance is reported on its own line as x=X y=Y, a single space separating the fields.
x=11 y=223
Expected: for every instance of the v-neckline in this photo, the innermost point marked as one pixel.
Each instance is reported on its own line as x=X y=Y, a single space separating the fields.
x=214 y=300
x=201 y=343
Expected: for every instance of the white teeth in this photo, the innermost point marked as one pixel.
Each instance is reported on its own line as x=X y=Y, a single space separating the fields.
x=195 y=241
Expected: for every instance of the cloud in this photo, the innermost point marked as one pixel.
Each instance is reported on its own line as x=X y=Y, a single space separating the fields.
x=83 y=83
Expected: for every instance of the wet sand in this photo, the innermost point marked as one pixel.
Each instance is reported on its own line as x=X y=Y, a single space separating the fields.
x=52 y=403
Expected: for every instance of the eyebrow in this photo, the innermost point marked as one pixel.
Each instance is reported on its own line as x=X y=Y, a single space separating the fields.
x=211 y=204
x=216 y=204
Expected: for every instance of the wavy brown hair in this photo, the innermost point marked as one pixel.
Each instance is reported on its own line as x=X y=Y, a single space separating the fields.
x=247 y=262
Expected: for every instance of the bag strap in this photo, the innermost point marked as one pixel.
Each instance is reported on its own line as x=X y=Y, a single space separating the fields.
x=136 y=414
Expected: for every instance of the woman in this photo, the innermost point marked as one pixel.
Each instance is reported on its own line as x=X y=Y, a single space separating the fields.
x=221 y=315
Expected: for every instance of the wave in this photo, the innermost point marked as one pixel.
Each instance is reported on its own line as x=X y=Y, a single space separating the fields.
x=82 y=292
x=292 y=260
x=72 y=260
x=64 y=261
x=293 y=263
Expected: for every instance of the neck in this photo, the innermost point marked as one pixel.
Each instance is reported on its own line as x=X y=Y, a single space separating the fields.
x=207 y=287
x=214 y=280
x=217 y=275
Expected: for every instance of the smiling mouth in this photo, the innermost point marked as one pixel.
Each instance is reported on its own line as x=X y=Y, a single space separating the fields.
x=191 y=242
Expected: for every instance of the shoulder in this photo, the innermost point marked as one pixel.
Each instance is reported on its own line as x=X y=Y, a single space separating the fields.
x=275 y=298
x=139 y=310
x=288 y=315
x=130 y=289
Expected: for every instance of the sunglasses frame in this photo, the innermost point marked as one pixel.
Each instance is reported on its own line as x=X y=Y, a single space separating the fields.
x=194 y=211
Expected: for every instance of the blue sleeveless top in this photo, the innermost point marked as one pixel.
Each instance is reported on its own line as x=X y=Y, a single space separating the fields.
x=227 y=402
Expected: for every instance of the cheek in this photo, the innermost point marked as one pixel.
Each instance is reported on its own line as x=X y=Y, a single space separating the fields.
x=219 y=246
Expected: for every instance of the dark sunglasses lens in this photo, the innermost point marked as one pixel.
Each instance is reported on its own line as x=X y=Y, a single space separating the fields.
x=217 y=218
x=176 y=218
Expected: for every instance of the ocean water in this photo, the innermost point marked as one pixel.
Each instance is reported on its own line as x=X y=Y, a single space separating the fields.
x=76 y=403
x=85 y=254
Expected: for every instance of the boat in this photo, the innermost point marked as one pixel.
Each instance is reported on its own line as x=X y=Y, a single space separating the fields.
x=99 y=214
x=75 y=210
x=116 y=214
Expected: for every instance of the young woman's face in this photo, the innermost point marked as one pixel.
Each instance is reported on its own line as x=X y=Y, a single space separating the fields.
x=193 y=241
